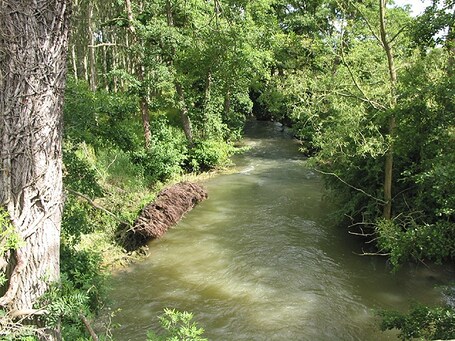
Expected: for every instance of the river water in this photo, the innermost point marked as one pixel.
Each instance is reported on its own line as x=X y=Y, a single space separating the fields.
x=262 y=260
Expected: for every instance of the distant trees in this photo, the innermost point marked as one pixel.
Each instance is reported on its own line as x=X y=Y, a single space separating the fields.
x=33 y=46
x=196 y=58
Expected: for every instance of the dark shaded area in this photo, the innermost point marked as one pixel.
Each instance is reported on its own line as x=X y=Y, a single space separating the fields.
x=157 y=217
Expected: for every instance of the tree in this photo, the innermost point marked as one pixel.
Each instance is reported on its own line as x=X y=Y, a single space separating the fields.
x=33 y=46
x=388 y=168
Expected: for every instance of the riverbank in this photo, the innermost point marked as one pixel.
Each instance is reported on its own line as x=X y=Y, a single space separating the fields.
x=260 y=260
x=114 y=256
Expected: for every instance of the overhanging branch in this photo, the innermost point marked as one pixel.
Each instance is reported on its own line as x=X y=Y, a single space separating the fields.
x=351 y=186
x=95 y=205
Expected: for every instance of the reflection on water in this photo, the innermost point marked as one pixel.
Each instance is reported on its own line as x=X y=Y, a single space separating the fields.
x=259 y=260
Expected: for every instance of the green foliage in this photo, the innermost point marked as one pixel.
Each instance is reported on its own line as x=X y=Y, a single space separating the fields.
x=80 y=291
x=206 y=155
x=407 y=241
x=424 y=160
x=79 y=174
x=116 y=169
x=165 y=157
x=100 y=118
x=76 y=220
x=336 y=89
x=426 y=30
x=421 y=322
x=9 y=239
x=83 y=270
x=79 y=177
x=13 y=331
x=178 y=326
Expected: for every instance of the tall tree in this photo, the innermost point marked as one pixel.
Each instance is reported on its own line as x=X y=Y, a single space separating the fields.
x=388 y=168
x=33 y=46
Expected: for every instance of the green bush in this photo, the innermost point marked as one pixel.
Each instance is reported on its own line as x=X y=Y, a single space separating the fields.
x=83 y=271
x=206 y=155
x=421 y=322
x=81 y=291
x=79 y=174
x=413 y=242
x=101 y=118
x=177 y=326
x=166 y=155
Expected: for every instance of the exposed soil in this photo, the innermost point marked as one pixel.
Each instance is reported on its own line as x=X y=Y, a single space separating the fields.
x=157 y=217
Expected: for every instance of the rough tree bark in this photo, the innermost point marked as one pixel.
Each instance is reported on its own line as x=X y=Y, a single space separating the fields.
x=33 y=47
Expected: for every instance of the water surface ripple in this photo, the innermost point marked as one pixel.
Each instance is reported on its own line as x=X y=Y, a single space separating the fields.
x=261 y=260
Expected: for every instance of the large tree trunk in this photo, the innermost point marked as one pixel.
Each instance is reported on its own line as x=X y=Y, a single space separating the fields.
x=33 y=47
x=388 y=167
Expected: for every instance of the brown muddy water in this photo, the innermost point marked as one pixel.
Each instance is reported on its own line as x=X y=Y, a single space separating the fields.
x=262 y=260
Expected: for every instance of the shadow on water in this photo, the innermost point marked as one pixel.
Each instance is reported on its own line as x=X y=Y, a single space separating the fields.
x=258 y=260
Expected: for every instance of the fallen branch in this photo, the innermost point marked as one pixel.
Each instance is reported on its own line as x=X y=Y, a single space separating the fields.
x=88 y=327
x=95 y=205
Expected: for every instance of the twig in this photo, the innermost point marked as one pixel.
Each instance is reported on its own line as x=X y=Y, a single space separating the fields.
x=363 y=234
x=351 y=186
x=397 y=34
x=102 y=44
x=372 y=254
x=89 y=327
x=95 y=205
x=370 y=27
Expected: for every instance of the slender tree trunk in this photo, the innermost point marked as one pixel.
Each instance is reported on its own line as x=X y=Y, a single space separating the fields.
x=85 y=69
x=184 y=114
x=129 y=13
x=145 y=108
x=140 y=71
x=450 y=45
x=227 y=104
x=92 y=56
x=115 y=56
x=74 y=61
x=207 y=97
x=183 y=108
x=33 y=47
x=388 y=167
x=105 y=68
x=146 y=122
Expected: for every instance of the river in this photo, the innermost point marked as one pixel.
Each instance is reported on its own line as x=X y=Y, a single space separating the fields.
x=262 y=260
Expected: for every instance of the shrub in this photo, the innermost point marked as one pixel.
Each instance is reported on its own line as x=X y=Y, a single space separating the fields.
x=166 y=155
x=206 y=155
x=177 y=326
x=421 y=322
